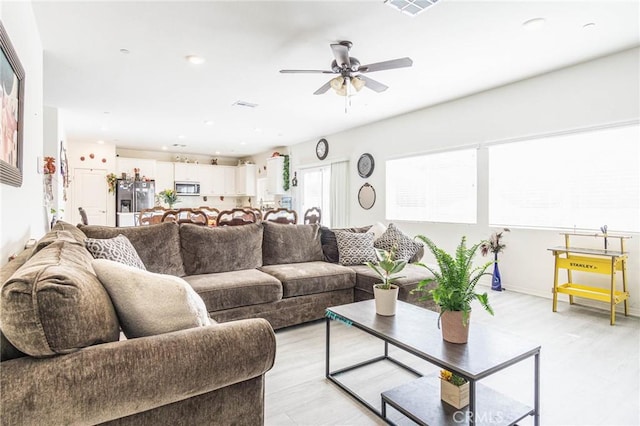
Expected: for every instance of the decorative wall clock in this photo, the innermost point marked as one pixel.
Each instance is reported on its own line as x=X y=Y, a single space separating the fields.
x=365 y=165
x=322 y=149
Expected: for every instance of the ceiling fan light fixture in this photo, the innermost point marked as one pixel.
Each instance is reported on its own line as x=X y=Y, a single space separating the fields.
x=337 y=83
x=357 y=83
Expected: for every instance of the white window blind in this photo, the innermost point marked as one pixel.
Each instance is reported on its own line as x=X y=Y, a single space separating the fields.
x=577 y=181
x=438 y=187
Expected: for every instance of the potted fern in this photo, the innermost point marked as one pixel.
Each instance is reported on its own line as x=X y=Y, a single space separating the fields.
x=386 y=293
x=455 y=279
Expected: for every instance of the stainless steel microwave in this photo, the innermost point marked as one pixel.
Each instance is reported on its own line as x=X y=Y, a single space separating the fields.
x=187 y=188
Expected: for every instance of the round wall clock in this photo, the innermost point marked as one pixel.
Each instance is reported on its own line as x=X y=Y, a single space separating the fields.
x=322 y=149
x=365 y=165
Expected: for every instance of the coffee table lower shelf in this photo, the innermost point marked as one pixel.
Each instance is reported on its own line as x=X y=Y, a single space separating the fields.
x=420 y=401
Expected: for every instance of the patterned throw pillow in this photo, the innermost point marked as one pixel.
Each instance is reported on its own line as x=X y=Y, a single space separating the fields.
x=405 y=246
x=355 y=248
x=118 y=249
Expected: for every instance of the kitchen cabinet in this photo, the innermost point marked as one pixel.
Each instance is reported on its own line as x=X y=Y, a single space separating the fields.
x=186 y=172
x=246 y=180
x=207 y=179
x=127 y=165
x=262 y=195
x=275 y=175
x=164 y=176
x=221 y=180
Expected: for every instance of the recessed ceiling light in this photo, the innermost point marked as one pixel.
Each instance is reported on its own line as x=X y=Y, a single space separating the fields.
x=217 y=152
x=243 y=143
x=589 y=26
x=100 y=142
x=209 y=122
x=195 y=59
x=410 y=7
x=534 y=24
x=180 y=136
x=125 y=51
x=164 y=148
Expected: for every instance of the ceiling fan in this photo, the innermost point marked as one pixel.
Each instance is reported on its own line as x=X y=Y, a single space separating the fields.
x=351 y=72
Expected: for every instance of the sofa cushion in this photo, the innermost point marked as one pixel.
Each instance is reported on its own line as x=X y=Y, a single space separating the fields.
x=53 y=236
x=157 y=245
x=78 y=234
x=405 y=247
x=118 y=249
x=330 y=244
x=54 y=304
x=311 y=277
x=208 y=250
x=290 y=243
x=226 y=290
x=355 y=248
x=148 y=304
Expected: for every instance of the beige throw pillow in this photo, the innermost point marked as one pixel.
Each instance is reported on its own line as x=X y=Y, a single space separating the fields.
x=147 y=303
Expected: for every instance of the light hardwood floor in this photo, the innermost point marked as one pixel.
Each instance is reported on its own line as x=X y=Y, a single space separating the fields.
x=590 y=371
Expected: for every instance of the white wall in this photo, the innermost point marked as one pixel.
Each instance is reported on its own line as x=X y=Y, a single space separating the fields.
x=22 y=214
x=594 y=93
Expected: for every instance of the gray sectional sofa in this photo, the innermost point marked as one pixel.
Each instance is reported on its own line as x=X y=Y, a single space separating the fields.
x=78 y=371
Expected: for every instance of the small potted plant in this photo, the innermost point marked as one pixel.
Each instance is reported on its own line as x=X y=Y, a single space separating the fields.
x=456 y=280
x=386 y=293
x=454 y=389
x=170 y=197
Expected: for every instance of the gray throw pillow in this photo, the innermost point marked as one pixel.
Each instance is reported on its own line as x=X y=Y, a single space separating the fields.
x=406 y=248
x=118 y=249
x=355 y=248
x=149 y=304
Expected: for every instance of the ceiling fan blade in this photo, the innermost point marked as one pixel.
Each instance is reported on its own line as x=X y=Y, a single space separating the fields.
x=386 y=65
x=376 y=86
x=341 y=53
x=323 y=89
x=306 y=72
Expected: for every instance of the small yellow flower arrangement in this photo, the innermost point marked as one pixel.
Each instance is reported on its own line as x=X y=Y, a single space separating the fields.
x=452 y=378
x=454 y=389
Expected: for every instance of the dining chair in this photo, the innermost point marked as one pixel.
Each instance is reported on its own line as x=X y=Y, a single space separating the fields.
x=282 y=215
x=235 y=217
x=312 y=215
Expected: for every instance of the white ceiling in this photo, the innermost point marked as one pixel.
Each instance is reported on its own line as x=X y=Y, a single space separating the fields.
x=152 y=97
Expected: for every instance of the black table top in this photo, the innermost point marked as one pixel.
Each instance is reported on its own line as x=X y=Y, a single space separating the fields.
x=415 y=330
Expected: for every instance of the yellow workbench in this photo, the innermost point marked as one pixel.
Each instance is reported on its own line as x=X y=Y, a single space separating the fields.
x=597 y=261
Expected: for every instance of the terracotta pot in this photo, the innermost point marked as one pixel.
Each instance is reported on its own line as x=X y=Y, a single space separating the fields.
x=453 y=329
x=386 y=300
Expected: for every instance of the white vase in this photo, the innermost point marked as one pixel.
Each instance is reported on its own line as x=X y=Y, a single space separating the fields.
x=385 y=299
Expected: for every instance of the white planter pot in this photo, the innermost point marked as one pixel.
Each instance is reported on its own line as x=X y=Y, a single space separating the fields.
x=385 y=300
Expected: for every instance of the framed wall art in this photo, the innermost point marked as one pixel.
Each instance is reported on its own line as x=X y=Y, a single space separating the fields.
x=12 y=112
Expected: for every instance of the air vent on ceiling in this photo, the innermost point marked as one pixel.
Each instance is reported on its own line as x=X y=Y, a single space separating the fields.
x=244 y=104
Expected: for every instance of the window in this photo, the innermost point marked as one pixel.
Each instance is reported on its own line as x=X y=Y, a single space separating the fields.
x=315 y=184
x=438 y=187
x=577 y=181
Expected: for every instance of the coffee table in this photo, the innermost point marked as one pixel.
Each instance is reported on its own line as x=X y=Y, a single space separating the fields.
x=414 y=330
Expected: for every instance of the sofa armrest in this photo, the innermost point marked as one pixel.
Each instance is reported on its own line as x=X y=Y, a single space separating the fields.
x=112 y=380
